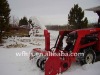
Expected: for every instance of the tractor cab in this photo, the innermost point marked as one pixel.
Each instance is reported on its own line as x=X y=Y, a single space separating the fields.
x=65 y=41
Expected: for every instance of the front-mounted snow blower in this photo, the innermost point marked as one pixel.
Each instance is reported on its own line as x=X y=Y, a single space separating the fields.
x=85 y=41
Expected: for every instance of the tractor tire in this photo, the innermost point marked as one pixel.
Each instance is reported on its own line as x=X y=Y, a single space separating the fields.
x=42 y=65
x=89 y=56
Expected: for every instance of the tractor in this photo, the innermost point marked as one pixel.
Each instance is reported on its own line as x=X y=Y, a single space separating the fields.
x=85 y=41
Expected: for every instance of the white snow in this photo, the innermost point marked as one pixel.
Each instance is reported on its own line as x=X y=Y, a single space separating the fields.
x=10 y=64
x=37 y=22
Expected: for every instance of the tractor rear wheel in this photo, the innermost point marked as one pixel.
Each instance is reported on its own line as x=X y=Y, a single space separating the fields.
x=89 y=56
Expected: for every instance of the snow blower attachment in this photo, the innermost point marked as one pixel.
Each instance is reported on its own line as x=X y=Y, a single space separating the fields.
x=83 y=41
x=38 y=50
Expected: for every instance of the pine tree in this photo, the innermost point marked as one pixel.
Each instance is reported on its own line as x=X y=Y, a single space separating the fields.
x=23 y=21
x=30 y=22
x=20 y=22
x=4 y=16
x=76 y=18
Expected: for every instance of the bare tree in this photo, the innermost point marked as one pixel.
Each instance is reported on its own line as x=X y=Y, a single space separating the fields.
x=14 y=21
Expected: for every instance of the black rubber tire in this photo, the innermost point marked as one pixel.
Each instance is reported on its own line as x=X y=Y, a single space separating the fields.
x=86 y=57
x=42 y=65
x=37 y=63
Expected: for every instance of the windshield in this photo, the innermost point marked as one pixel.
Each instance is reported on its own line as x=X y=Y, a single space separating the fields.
x=70 y=41
x=65 y=41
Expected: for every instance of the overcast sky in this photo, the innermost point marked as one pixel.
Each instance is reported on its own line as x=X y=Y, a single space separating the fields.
x=51 y=11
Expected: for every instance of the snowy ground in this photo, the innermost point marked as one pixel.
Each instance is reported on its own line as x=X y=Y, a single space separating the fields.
x=10 y=64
